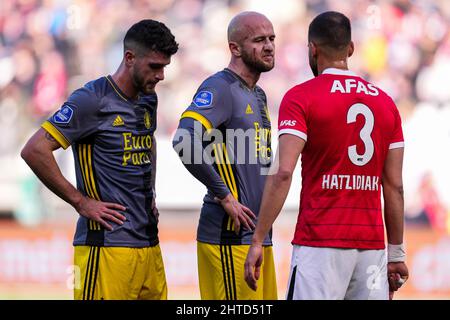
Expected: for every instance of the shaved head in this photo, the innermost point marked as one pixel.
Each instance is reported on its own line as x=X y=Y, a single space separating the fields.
x=242 y=26
x=251 y=42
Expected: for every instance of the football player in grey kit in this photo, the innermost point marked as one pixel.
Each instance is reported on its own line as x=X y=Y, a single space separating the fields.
x=110 y=124
x=230 y=109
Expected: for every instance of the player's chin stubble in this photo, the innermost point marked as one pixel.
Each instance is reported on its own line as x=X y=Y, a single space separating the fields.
x=140 y=84
x=266 y=66
x=257 y=64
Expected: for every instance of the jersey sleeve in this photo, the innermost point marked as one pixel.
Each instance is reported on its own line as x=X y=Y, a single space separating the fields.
x=212 y=104
x=397 y=140
x=292 y=115
x=77 y=118
x=187 y=142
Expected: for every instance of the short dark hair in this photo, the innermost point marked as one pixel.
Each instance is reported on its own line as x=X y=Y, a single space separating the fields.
x=150 y=35
x=330 y=29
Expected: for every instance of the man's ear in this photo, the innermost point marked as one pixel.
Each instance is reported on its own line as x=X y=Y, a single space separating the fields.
x=235 y=49
x=351 y=49
x=129 y=58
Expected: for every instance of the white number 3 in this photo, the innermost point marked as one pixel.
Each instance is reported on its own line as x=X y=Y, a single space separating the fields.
x=366 y=131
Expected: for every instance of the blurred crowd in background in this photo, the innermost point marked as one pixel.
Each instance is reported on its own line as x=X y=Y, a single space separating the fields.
x=48 y=48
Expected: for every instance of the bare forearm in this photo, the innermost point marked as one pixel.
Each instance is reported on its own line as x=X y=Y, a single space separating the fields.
x=393 y=196
x=393 y=213
x=44 y=165
x=275 y=193
x=278 y=184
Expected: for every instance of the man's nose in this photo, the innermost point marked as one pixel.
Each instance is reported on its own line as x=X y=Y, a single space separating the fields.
x=160 y=75
x=269 y=45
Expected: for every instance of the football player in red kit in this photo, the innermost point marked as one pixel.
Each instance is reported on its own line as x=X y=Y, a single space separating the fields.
x=350 y=136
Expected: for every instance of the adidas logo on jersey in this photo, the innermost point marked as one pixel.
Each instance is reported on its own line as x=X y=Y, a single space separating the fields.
x=118 y=122
x=248 y=110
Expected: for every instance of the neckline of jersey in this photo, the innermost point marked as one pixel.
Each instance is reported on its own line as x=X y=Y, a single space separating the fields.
x=240 y=79
x=119 y=92
x=339 y=72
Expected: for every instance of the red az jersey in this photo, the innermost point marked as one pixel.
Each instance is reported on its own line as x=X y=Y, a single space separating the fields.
x=348 y=125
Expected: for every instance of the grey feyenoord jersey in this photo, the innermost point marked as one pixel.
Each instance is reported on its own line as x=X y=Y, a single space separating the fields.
x=111 y=138
x=224 y=102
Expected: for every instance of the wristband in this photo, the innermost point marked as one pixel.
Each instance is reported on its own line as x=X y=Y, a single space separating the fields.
x=396 y=253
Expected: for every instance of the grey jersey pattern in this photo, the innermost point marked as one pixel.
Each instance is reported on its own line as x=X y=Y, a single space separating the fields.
x=242 y=159
x=111 y=138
